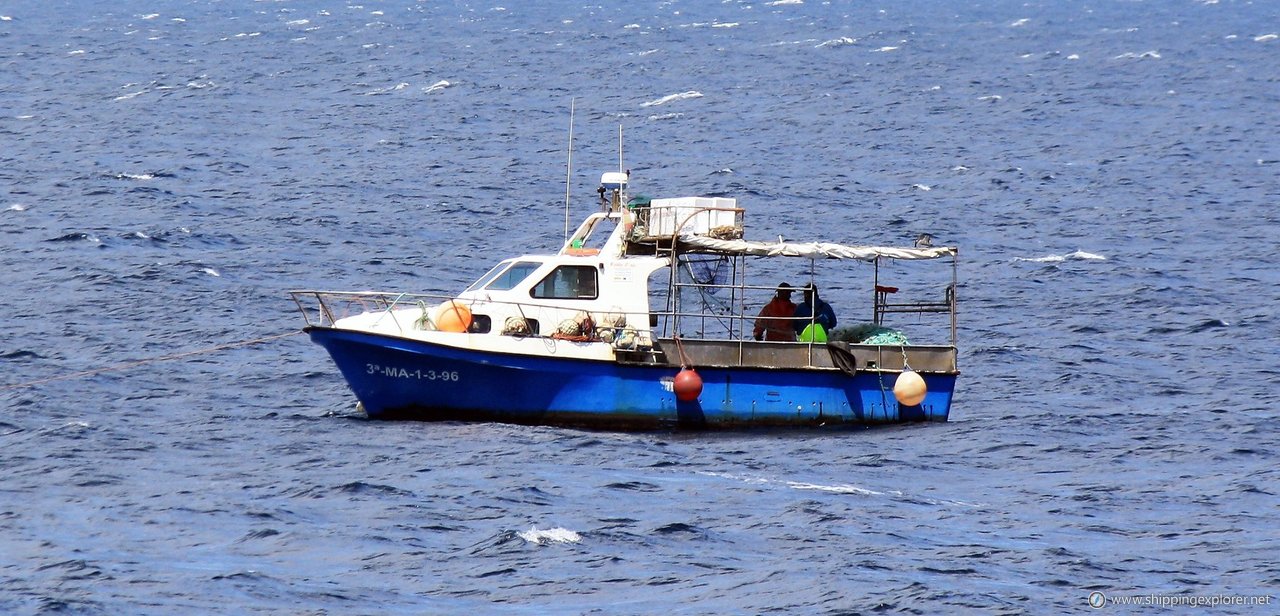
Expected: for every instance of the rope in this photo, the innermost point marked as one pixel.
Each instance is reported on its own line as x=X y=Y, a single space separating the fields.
x=684 y=359
x=142 y=362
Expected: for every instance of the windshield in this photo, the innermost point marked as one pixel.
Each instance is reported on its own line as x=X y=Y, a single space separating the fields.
x=513 y=276
x=484 y=280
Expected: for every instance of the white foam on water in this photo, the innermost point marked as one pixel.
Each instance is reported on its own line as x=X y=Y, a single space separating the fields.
x=135 y=176
x=1078 y=255
x=886 y=48
x=835 y=489
x=387 y=90
x=550 y=535
x=1266 y=37
x=673 y=97
x=992 y=98
x=212 y=272
x=726 y=25
x=76 y=52
x=839 y=488
x=1146 y=55
x=840 y=42
x=923 y=187
x=1020 y=22
x=151 y=16
x=297 y=22
x=437 y=86
x=665 y=116
x=783 y=2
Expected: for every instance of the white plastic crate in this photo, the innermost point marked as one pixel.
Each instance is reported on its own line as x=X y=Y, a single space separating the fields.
x=665 y=215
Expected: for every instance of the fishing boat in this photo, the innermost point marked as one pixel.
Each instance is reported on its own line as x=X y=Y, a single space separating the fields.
x=643 y=320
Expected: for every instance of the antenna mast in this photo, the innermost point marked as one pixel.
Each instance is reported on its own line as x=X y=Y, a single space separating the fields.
x=568 y=172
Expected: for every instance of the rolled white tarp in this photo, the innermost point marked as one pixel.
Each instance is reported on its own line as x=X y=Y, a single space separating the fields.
x=816 y=250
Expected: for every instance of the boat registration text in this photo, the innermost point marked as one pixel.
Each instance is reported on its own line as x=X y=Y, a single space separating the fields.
x=416 y=374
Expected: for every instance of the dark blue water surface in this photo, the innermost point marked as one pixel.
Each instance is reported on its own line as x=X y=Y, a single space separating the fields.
x=170 y=169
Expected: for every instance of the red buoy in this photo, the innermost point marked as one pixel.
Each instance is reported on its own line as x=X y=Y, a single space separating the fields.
x=688 y=385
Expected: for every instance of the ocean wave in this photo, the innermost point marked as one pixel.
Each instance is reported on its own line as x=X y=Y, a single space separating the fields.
x=837 y=488
x=387 y=90
x=550 y=535
x=1078 y=255
x=1146 y=55
x=437 y=86
x=840 y=42
x=78 y=236
x=673 y=97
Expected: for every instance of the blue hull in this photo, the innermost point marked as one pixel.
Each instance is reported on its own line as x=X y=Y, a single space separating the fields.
x=407 y=379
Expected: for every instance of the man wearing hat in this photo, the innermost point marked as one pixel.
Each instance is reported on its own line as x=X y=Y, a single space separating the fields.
x=772 y=324
x=814 y=317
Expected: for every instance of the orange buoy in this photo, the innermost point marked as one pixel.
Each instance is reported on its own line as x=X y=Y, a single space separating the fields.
x=453 y=316
x=909 y=389
x=688 y=385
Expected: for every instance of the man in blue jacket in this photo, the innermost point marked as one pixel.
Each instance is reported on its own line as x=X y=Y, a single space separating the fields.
x=814 y=311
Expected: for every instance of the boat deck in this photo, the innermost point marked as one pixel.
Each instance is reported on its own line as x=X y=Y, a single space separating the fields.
x=774 y=355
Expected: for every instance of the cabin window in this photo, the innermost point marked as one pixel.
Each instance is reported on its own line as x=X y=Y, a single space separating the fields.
x=568 y=282
x=480 y=324
x=513 y=276
x=488 y=276
x=505 y=275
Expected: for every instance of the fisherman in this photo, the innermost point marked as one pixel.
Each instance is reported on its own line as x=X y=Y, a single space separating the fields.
x=773 y=322
x=814 y=317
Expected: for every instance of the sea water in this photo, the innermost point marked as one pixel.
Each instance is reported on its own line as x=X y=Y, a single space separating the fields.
x=170 y=169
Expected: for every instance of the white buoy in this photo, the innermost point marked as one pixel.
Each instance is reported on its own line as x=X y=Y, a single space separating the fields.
x=909 y=389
